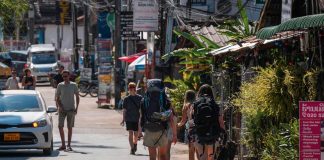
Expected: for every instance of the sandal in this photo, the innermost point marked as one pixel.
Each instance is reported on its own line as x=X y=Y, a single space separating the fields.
x=61 y=148
x=69 y=149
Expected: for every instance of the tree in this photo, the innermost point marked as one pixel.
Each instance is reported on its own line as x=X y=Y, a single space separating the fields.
x=196 y=59
x=239 y=28
x=12 y=13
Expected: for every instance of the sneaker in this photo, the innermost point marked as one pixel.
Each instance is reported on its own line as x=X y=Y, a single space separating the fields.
x=135 y=148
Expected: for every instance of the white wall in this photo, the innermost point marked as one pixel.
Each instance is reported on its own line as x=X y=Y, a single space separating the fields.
x=51 y=35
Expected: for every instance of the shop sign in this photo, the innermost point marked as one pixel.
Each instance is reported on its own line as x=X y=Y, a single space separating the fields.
x=146 y=15
x=311 y=130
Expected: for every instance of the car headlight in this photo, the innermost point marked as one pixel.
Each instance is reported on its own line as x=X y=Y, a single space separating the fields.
x=40 y=123
x=34 y=69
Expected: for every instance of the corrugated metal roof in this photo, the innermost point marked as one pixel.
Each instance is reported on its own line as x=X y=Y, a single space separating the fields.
x=211 y=33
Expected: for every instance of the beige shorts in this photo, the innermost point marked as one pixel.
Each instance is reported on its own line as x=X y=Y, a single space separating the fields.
x=155 y=139
x=70 y=115
x=204 y=154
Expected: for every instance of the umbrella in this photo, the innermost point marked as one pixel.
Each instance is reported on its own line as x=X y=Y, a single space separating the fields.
x=137 y=65
x=131 y=58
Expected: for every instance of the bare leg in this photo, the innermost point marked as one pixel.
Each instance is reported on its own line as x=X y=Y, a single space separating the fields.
x=69 y=136
x=140 y=134
x=211 y=152
x=169 y=150
x=163 y=152
x=135 y=137
x=191 y=151
x=130 y=139
x=62 y=136
x=152 y=153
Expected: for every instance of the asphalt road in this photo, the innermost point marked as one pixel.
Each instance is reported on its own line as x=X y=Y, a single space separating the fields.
x=97 y=135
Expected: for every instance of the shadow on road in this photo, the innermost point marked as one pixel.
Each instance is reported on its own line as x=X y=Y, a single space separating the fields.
x=77 y=144
x=142 y=155
x=26 y=153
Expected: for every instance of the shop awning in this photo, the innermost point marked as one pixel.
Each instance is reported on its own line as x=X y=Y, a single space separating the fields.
x=131 y=58
x=137 y=65
x=232 y=48
x=309 y=21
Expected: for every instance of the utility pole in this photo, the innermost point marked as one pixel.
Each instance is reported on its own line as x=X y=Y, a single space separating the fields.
x=117 y=39
x=75 y=35
x=86 y=34
x=31 y=16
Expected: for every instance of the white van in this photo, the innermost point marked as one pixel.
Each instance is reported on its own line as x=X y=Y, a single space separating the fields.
x=42 y=59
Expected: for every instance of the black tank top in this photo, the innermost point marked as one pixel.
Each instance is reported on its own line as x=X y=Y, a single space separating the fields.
x=29 y=79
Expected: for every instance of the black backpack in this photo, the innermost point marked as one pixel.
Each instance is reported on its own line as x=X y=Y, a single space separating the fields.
x=206 y=124
x=155 y=103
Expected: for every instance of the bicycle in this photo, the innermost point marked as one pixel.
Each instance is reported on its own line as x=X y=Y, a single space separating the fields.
x=88 y=87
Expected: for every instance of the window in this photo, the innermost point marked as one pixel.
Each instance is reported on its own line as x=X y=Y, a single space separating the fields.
x=20 y=103
x=198 y=1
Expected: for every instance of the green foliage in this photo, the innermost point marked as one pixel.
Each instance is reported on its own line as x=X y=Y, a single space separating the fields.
x=282 y=143
x=197 y=56
x=177 y=94
x=12 y=12
x=269 y=104
x=239 y=28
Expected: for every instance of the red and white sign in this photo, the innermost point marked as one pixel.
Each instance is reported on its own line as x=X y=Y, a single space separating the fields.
x=311 y=129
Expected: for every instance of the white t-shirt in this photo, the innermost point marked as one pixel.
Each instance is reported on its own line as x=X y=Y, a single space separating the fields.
x=12 y=83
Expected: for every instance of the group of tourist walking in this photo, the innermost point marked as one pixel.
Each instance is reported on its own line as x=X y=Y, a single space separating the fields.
x=28 y=81
x=153 y=114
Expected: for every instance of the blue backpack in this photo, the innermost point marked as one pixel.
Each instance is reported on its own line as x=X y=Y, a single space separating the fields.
x=156 y=106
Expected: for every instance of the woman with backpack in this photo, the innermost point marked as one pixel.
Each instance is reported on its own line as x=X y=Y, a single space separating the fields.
x=155 y=115
x=188 y=121
x=208 y=123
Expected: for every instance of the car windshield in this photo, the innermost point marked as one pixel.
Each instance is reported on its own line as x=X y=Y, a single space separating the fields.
x=5 y=55
x=16 y=56
x=20 y=103
x=43 y=58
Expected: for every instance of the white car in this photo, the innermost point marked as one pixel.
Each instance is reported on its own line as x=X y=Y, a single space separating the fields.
x=25 y=121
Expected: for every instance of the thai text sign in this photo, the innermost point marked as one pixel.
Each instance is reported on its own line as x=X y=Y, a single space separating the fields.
x=146 y=15
x=311 y=128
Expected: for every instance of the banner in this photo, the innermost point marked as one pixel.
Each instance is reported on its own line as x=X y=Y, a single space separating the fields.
x=311 y=130
x=105 y=69
x=146 y=15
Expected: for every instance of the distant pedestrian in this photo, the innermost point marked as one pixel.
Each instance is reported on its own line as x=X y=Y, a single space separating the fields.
x=28 y=81
x=208 y=123
x=58 y=77
x=188 y=121
x=64 y=96
x=131 y=115
x=155 y=115
x=13 y=82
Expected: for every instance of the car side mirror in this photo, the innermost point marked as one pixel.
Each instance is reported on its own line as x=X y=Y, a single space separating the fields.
x=51 y=109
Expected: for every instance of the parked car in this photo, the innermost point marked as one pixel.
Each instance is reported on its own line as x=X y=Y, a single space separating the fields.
x=19 y=61
x=25 y=121
x=5 y=73
x=5 y=58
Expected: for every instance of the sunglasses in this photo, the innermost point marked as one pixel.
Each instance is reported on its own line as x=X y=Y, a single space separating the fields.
x=131 y=87
x=65 y=76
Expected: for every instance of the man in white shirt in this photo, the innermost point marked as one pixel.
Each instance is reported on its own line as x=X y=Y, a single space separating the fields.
x=13 y=82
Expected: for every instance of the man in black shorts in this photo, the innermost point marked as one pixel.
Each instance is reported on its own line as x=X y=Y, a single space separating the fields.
x=131 y=115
